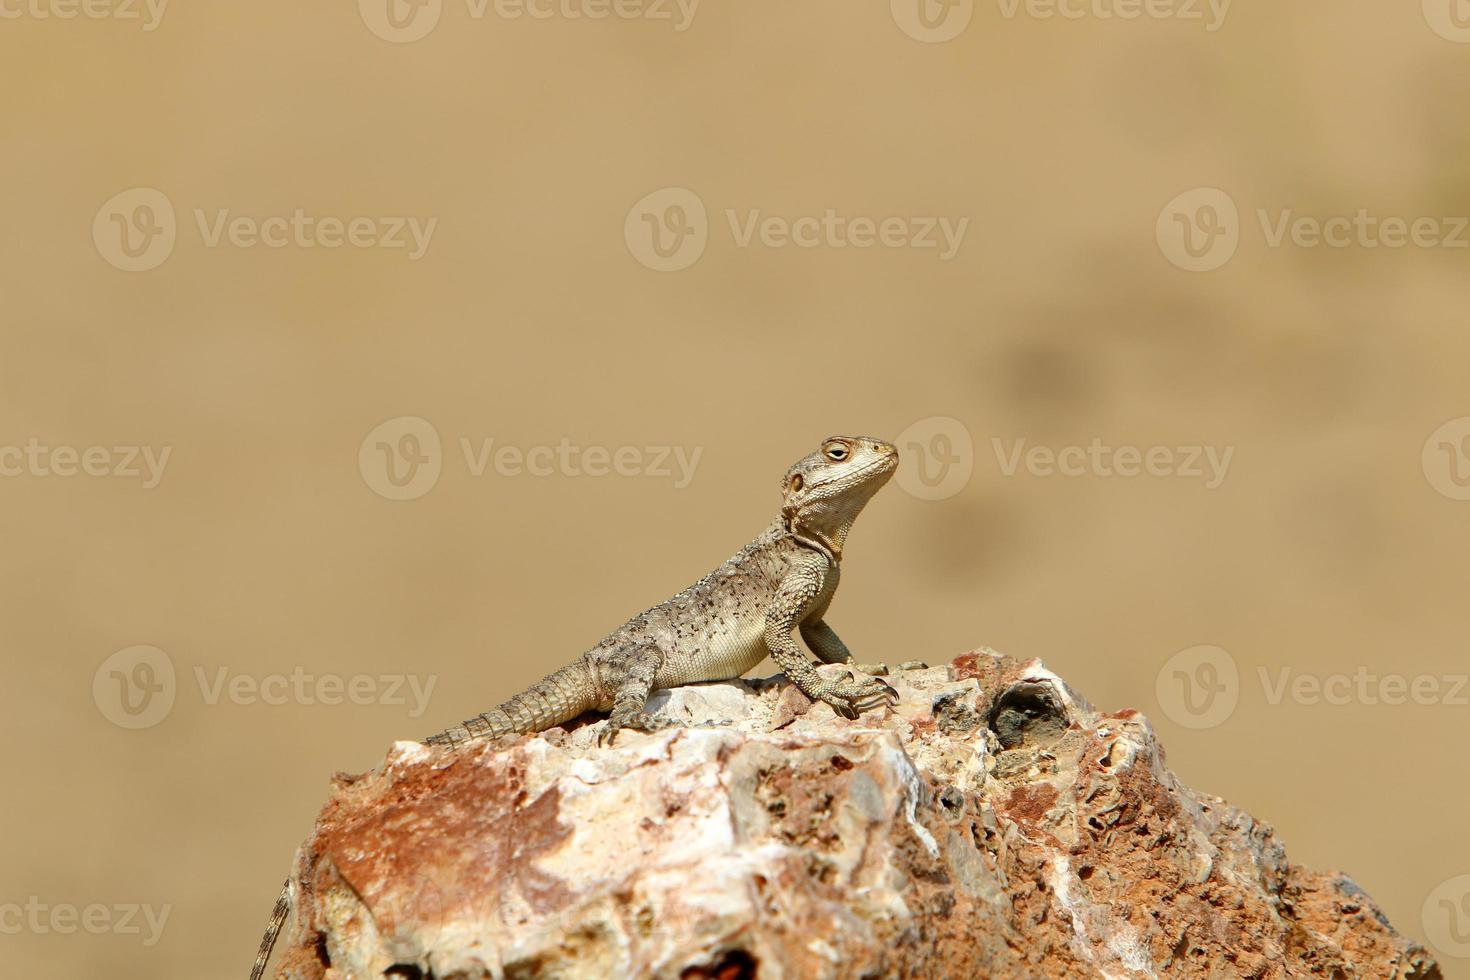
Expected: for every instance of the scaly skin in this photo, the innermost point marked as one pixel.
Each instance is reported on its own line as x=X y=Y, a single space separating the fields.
x=727 y=622
x=718 y=628
x=272 y=930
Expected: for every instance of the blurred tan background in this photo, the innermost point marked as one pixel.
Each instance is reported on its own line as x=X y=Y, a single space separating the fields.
x=540 y=155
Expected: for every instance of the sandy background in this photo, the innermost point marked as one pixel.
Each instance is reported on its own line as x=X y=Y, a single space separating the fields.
x=1332 y=545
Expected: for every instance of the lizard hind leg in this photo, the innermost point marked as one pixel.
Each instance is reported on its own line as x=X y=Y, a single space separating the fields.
x=631 y=676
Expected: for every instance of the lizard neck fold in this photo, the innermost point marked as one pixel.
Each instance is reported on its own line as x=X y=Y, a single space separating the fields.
x=828 y=544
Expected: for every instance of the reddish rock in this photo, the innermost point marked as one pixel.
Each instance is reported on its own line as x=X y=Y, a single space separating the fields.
x=993 y=824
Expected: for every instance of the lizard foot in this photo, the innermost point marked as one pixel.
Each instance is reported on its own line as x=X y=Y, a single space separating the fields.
x=638 y=721
x=877 y=670
x=845 y=697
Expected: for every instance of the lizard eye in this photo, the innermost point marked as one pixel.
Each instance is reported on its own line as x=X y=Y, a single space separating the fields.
x=837 y=452
x=797 y=483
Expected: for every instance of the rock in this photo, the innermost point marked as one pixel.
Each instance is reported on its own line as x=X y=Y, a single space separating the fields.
x=791 y=704
x=992 y=824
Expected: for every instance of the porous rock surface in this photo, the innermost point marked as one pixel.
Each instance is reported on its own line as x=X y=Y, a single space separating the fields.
x=992 y=824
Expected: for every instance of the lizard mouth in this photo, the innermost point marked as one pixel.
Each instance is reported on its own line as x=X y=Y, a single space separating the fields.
x=886 y=464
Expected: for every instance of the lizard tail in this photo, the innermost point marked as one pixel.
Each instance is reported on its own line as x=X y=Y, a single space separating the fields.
x=550 y=702
x=278 y=919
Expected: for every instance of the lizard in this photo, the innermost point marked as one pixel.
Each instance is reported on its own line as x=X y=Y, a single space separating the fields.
x=751 y=606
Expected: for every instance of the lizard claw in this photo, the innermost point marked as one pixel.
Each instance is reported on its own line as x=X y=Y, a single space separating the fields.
x=640 y=721
x=845 y=696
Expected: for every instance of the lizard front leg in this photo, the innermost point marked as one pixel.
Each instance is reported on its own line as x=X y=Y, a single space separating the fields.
x=798 y=590
x=825 y=643
x=829 y=648
x=630 y=674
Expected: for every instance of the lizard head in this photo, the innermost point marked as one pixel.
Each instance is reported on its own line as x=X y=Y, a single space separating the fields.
x=825 y=491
